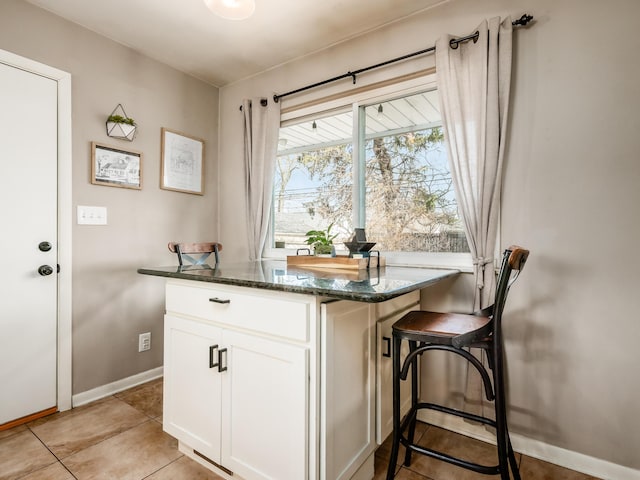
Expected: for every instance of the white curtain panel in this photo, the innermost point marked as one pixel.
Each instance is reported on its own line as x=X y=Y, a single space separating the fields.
x=473 y=84
x=261 y=127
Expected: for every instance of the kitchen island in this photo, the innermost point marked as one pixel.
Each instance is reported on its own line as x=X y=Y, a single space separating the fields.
x=276 y=372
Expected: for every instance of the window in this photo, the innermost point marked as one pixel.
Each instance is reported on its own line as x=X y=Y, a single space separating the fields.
x=381 y=166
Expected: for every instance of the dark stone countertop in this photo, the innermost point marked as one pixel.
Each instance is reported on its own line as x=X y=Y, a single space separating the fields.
x=373 y=285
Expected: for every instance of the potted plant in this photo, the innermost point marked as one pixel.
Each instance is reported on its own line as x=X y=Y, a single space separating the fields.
x=121 y=119
x=121 y=126
x=322 y=241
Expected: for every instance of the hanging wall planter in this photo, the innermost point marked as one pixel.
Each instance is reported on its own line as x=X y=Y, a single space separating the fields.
x=119 y=125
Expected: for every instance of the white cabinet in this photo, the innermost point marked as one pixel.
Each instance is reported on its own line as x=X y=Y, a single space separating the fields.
x=272 y=385
x=387 y=314
x=236 y=396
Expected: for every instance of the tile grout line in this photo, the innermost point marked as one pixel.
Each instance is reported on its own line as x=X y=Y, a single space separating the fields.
x=54 y=456
x=60 y=460
x=164 y=466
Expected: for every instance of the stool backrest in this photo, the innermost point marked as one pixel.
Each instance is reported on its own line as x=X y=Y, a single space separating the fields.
x=513 y=262
x=202 y=249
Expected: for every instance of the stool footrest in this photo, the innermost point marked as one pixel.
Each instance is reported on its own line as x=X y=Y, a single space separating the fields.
x=411 y=417
x=453 y=411
x=476 y=467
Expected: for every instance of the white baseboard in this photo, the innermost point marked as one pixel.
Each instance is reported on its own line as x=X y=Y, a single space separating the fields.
x=535 y=448
x=115 y=387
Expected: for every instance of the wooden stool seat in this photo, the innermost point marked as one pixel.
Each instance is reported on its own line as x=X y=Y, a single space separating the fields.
x=443 y=328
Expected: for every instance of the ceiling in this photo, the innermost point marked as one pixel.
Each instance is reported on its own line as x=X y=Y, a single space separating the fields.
x=187 y=36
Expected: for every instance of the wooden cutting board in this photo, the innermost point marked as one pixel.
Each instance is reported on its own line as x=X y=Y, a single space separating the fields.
x=339 y=262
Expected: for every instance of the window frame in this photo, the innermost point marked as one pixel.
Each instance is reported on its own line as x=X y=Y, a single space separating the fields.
x=461 y=261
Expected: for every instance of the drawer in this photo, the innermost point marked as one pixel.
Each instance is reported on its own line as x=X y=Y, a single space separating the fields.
x=395 y=305
x=273 y=313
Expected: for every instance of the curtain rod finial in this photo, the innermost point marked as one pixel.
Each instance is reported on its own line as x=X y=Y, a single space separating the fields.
x=523 y=20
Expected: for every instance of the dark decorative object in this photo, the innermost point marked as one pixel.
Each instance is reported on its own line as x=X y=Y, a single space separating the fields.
x=358 y=243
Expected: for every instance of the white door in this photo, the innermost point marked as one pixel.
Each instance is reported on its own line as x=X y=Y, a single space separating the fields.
x=28 y=244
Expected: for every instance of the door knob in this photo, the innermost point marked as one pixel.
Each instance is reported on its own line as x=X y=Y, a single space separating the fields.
x=44 y=246
x=45 y=270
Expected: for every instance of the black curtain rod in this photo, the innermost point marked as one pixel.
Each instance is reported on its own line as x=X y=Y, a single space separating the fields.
x=523 y=20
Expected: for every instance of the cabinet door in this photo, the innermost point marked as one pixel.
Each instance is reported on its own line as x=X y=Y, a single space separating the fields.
x=347 y=435
x=192 y=385
x=384 y=391
x=264 y=408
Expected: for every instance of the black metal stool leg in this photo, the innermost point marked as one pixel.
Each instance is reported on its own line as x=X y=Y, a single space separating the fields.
x=503 y=460
x=414 y=401
x=395 y=448
x=506 y=458
x=513 y=462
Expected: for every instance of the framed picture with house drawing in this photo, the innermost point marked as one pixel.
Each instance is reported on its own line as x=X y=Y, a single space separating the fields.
x=182 y=163
x=115 y=167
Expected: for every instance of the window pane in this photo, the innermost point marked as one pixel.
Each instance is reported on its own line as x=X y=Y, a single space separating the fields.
x=407 y=198
x=410 y=204
x=313 y=181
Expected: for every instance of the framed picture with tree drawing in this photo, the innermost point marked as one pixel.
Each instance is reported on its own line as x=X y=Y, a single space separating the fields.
x=182 y=163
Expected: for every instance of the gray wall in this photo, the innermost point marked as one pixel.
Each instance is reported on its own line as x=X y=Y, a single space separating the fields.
x=112 y=304
x=570 y=195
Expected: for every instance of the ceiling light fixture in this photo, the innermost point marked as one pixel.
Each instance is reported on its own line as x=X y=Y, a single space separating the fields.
x=232 y=9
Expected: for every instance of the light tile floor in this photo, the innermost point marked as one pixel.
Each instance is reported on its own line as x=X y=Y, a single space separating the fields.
x=120 y=438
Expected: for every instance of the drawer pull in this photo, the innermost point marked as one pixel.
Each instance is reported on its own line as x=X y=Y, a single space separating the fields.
x=387 y=342
x=219 y=300
x=221 y=352
x=212 y=357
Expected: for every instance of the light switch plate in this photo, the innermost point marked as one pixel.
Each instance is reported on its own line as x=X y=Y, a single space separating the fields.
x=92 y=215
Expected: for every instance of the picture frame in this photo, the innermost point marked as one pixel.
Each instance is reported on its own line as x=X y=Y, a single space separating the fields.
x=182 y=162
x=116 y=167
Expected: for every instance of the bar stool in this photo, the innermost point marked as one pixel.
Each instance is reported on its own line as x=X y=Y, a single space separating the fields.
x=203 y=249
x=453 y=332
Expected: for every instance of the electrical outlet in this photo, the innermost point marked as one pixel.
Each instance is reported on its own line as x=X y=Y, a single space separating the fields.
x=144 y=342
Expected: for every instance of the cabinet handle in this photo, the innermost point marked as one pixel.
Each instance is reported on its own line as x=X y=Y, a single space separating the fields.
x=387 y=342
x=212 y=355
x=221 y=352
x=219 y=300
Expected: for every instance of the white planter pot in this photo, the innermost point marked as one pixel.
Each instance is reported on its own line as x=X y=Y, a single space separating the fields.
x=121 y=130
